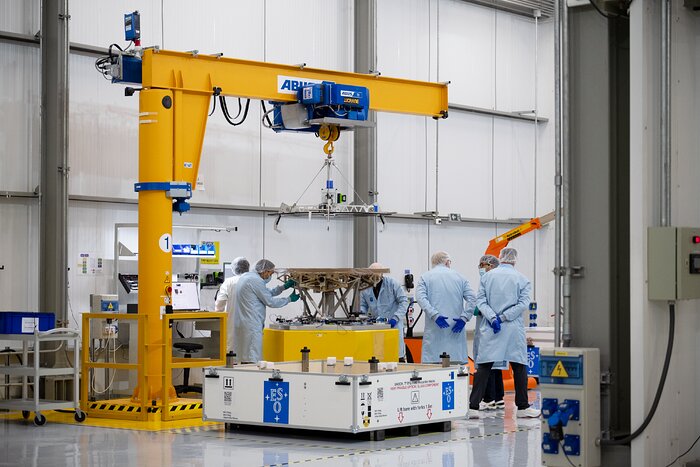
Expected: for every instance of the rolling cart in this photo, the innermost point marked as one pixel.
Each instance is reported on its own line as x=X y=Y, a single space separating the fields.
x=32 y=370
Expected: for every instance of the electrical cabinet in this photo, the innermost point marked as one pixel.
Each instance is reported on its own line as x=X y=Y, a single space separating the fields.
x=570 y=388
x=102 y=328
x=673 y=263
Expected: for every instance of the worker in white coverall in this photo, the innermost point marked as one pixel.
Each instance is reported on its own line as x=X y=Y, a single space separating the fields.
x=226 y=298
x=252 y=299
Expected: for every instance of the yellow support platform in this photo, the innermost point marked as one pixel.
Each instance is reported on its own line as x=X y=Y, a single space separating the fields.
x=152 y=423
x=285 y=345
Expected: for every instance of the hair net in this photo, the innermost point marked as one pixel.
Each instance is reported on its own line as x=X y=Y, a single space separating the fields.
x=490 y=260
x=264 y=265
x=509 y=255
x=240 y=266
x=441 y=257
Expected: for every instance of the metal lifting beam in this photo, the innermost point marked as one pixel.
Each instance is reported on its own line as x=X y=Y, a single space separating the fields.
x=194 y=73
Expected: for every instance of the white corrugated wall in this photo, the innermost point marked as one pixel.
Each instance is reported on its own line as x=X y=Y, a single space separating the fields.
x=486 y=167
x=676 y=424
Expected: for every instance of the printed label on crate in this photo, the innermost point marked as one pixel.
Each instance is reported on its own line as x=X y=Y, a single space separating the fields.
x=448 y=391
x=366 y=408
x=28 y=325
x=276 y=402
x=415 y=397
x=227 y=382
x=411 y=385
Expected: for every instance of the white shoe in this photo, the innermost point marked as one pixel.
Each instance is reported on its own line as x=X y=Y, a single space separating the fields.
x=528 y=413
x=473 y=414
x=487 y=405
x=499 y=405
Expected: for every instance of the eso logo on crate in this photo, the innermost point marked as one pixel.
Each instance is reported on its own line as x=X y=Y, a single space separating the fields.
x=448 y=400
x=533 y=361
x=276 y=402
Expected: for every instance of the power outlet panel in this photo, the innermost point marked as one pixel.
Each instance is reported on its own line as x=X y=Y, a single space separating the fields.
x=570 y=388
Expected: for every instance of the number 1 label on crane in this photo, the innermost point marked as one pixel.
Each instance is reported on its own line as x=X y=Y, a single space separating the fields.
x=165 y=243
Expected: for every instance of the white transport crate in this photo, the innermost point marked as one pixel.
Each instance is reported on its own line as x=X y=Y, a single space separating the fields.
x=336 y=397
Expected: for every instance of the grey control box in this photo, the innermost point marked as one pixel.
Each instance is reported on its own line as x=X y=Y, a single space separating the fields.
x=673 y=263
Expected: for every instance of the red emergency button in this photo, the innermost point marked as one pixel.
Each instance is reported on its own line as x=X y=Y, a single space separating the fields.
x=696 y=239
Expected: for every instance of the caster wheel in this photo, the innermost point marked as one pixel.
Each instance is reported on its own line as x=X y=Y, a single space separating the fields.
x=39 y=420
x=25 y=414
x=80 y=416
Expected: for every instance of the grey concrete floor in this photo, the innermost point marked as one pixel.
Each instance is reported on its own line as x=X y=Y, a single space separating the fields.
x=496 y=439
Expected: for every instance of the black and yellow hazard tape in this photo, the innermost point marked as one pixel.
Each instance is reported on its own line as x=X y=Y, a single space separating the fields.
x=176 y=408
x=128 y=408
x=131 y=408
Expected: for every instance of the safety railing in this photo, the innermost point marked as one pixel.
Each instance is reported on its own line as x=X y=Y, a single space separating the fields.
x=112 y=408
x=171 y=410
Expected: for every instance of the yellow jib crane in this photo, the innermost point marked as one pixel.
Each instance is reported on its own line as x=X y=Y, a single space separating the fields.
x=174 y=101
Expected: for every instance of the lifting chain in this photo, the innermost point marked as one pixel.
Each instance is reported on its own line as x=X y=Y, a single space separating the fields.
x=329 y=133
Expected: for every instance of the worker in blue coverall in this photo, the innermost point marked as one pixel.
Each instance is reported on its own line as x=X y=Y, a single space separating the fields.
x=448 y=302
x=386 y=301
x=493 y=397
x=504 y=294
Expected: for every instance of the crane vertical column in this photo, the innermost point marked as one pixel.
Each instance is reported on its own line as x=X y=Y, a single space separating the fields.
x=155 y=228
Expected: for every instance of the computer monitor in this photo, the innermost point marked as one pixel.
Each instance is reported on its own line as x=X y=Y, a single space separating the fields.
x=228 y=270
x=185 y=296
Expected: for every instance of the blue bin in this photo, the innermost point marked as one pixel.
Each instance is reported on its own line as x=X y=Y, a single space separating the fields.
x=24 y=322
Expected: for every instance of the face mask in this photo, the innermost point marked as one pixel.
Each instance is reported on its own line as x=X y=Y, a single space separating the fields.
x=267 y=281
x=482 y=271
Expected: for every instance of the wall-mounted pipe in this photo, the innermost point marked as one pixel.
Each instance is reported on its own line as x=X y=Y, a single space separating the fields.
x=566 y=178
x=665 y=150
x=558 y=173
x=53 y=243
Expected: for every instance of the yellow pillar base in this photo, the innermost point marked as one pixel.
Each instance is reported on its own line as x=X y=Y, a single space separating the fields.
x=285 y=345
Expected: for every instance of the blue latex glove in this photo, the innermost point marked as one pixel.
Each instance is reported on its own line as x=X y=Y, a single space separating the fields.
x=459 y=325
x=496 y=325
x=476 y=311
x=294 y=297
x=289 y=283
x=442 y=323
x=393 y=323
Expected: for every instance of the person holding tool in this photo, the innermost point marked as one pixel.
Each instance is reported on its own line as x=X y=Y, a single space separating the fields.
x=252 y=299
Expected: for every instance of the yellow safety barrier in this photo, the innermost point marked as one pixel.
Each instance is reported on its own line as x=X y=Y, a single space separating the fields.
x=115 y=408
x=168 y=406
x=179 y=408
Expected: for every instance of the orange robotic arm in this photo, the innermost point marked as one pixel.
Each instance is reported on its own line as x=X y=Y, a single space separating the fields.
x=498 y=243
